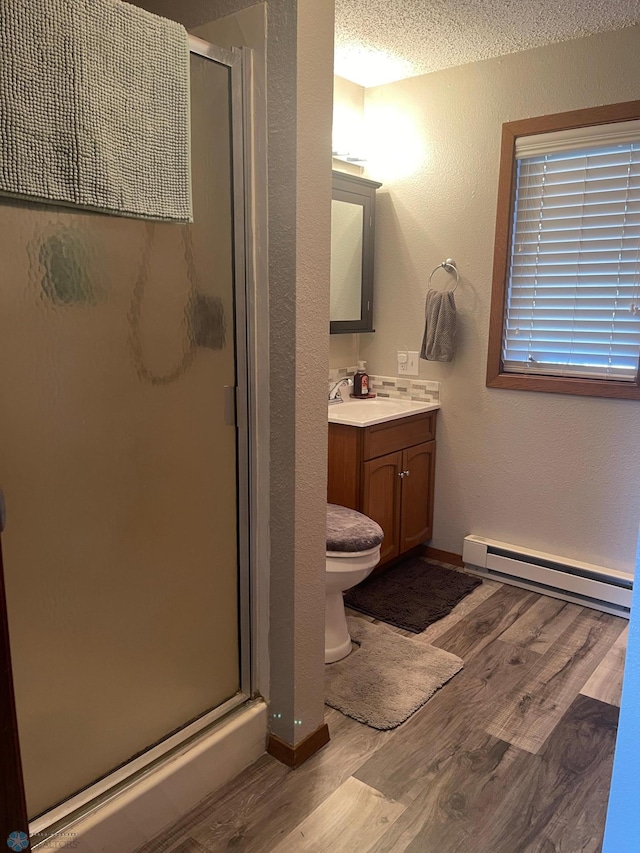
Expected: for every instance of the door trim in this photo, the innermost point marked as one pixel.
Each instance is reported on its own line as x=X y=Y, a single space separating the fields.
x=258 y=362
x=235 y=61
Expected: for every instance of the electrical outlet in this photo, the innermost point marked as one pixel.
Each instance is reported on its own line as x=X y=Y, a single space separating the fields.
x=407 y=363
x=412 y=364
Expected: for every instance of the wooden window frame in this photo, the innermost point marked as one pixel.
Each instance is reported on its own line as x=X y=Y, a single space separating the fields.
x=496 y=375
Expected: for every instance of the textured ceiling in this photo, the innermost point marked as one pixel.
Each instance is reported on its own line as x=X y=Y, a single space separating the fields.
x=379 y=41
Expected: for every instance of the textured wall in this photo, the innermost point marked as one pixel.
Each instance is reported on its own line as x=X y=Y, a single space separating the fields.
x=192 y=13
x=547 y=471
x=348 y=123
x=313 y=231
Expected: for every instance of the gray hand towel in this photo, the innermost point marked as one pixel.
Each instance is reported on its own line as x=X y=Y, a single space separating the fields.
x=439 y=341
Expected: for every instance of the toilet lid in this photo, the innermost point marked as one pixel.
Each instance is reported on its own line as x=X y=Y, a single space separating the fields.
x=351 y=531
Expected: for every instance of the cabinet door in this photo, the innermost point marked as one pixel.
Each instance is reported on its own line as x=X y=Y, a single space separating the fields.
x=381 y=499
x=344 y=481
x=418 y=465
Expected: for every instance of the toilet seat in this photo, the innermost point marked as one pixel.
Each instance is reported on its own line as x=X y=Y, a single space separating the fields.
x=345 y=558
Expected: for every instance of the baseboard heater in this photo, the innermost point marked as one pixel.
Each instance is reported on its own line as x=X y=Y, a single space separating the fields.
x=592 y=586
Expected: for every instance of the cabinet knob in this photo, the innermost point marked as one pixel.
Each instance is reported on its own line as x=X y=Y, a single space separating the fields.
x=406 y=473
x=401 y=473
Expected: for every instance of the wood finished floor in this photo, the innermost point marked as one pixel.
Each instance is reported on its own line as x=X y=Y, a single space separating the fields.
x=513 y=755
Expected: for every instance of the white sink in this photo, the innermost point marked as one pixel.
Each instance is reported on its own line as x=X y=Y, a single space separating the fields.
x=364 y=413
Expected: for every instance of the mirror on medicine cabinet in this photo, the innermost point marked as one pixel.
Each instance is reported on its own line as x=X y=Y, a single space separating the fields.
x=352 y=245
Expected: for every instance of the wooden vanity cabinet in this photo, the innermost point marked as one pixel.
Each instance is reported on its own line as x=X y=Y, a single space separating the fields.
x=387 y=472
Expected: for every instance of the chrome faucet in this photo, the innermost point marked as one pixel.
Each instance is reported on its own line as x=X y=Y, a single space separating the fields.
x=333 y=391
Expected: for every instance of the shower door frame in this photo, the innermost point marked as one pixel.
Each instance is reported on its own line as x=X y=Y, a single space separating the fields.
x=240 y=409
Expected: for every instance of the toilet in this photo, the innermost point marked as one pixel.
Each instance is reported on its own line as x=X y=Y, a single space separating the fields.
x=353 y=551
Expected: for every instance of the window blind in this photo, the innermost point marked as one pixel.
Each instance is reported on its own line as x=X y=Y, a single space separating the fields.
x=573 y=288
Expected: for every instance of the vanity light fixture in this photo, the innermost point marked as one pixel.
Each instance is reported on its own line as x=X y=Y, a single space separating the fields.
x=347 y=157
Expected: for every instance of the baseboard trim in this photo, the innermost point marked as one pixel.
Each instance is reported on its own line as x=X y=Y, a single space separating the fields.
x=443 y=556
x=294 y=756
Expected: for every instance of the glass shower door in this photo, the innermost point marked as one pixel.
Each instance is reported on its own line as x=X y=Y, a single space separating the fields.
x=119 y=467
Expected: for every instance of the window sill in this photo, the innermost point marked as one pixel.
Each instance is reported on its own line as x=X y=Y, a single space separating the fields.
x=563 y=385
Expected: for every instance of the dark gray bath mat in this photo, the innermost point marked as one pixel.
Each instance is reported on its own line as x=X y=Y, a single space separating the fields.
x=412 y=595
x=388 y=678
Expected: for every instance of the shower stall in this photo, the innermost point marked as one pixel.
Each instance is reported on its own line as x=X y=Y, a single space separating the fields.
x=124 y=460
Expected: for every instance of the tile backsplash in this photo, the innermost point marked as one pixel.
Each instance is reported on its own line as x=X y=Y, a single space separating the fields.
x=398 y=387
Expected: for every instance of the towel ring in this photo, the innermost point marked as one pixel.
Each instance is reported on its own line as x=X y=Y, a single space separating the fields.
x=450 y=266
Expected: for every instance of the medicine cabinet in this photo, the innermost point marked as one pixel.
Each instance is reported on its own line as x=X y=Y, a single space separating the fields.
x=352 y=248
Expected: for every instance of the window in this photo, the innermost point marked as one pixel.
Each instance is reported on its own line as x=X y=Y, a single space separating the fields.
x=565 y=310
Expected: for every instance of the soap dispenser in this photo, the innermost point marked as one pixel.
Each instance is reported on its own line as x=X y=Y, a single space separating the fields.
x=361 y=381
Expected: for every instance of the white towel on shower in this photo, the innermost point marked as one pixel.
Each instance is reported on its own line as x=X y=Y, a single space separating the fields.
x=439 y=340
x=94 y=107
